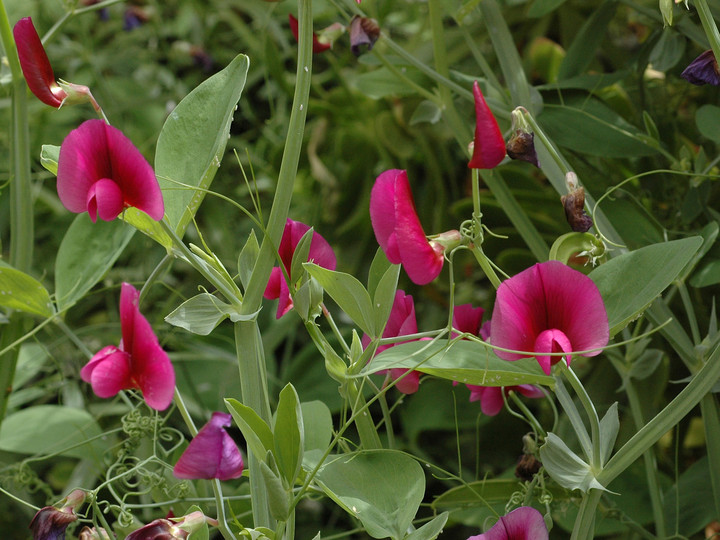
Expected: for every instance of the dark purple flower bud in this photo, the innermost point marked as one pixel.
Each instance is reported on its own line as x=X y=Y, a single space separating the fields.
x=521 y=146
x=574 y=203
x=363 y=31
x=50 y=523
x=160 y=529
x=703 y=70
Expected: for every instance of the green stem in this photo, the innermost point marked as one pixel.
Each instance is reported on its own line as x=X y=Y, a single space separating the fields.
x=651 y=471
x=690 y=312
x=528 y=414
x=708 y=24
x=711 y=422
x=585 y=521
x=484 y=263
x=595 y=457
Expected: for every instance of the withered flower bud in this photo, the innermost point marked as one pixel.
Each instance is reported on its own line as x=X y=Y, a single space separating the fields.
x=50 y=523
x=527 y=467
x=521 y=146
x=363 y=31
x=703 y=70
x=574 y=203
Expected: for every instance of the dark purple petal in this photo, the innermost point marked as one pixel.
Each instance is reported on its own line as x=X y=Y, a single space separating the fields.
x=35 y=64
x=703 y=70
x=49 y=523
x=364 y=32
x=212 y=453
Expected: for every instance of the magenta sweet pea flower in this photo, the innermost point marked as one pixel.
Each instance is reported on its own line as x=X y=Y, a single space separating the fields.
x=549 y=308
x=320 y=253
x=139 y=362
x=488 y=144
x=100 y=172
x=35 y=64
x=401 y=322
x=468 y=320
x=524 y=523
x=212 y=453
x=491 y=397
x=399 y=232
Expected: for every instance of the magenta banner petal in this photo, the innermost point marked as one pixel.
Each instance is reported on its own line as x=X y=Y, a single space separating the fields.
x=382 y=212
x=489 y=145
x=467 y=319
x=549 y=297
x=35 y=64
x=212 y=453
x=272 y=291
x=96 y=152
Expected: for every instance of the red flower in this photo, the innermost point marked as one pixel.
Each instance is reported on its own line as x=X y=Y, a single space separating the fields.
x=549 y=308
x=488 y=144
x=139 y=362
x=399 y=232
x=318 y=47
x=524 y=523
x=102 y=173
x=320 y=253
x=212 y=453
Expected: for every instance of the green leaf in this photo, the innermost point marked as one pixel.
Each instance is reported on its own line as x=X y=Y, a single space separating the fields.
x=586 y=125
x=192 y=141
x=609 y=426
x=65 y=430
x=669 y=49
x=378 y=268
x=247 y=258
x=148 y=226
x=565 y=467
x=348 y=293
x=689 y=500
x=49 y=156
x=542 y=7
x=426 y=112
x=381 y=82
x=481 y=492
x=257 y=433
x=24 y=293
x=200 y=314
x=431 y=529
x=301 y=255
x=384 y=297
x=288 y=434
x=381 y=488
x=87 y=251
x=464 y=361
x=587 y=40
x=707 y=119
x=630 y=282
x=317 y=425
x=278 y=497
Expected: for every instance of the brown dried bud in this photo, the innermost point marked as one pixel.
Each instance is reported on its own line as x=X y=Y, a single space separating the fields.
x=527 y=467
x=363 y=31
x=574 y=203
x=521 y=146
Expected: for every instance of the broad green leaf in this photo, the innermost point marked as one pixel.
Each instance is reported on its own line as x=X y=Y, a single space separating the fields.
x=381 y=82
x=586 y=125
x=247 y=258
x=31 y=359
x=669 y=49
x=426 y=112
x=348 y=293
x=630 y=282
x=317 y=425
x=464 y=361
x=87 y=251
x=691 y=497
x=308 y=298
x=587 y=40
x=192 y=141
x=200 y=314
x=381 y=488
x=384 y=297
x=288 y=434
x=148 y=226
x=565 y=467
x=431 y=529
x=489 y=491
x=378 y=267
x=609 y=426
x=49 y=155
x=65 y=430
x=24 y=293
x=301 y=255
x=257 y=433
x=707 y=119
x=278 y=498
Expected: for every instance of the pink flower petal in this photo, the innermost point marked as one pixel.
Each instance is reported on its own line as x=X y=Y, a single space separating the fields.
x=104 y=199
x=129 y=299
x=524 y=523
x=95 y=151
x=489 y=145
x=317 y=46
x=549 y=296
x=409 y=384
x=402 y=319
x=492 y=402
x=272 y=290
x=35 y=64
x=467 y=319
x=551 y=341
x=109 y=371
x=212 y=453
x=528 y=390
x=382 y=212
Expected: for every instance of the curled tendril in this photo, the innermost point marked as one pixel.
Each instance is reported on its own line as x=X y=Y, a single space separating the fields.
x=125 y=518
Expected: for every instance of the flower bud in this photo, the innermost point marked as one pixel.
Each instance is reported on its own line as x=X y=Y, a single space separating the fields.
x=574 y=203
x=521 y=144
x=703 y=70
x=364 y=31
x=50 y=523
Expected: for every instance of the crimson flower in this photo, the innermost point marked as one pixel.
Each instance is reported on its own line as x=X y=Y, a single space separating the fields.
x=488 y=144
x=100 y=172
x=320 y=253
x=399 y=232
x=703 y=70
x=212 y=453
x=318 y=46
x=50 y=522
x=549 y=308
x=524 y=523
x=139 y=362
